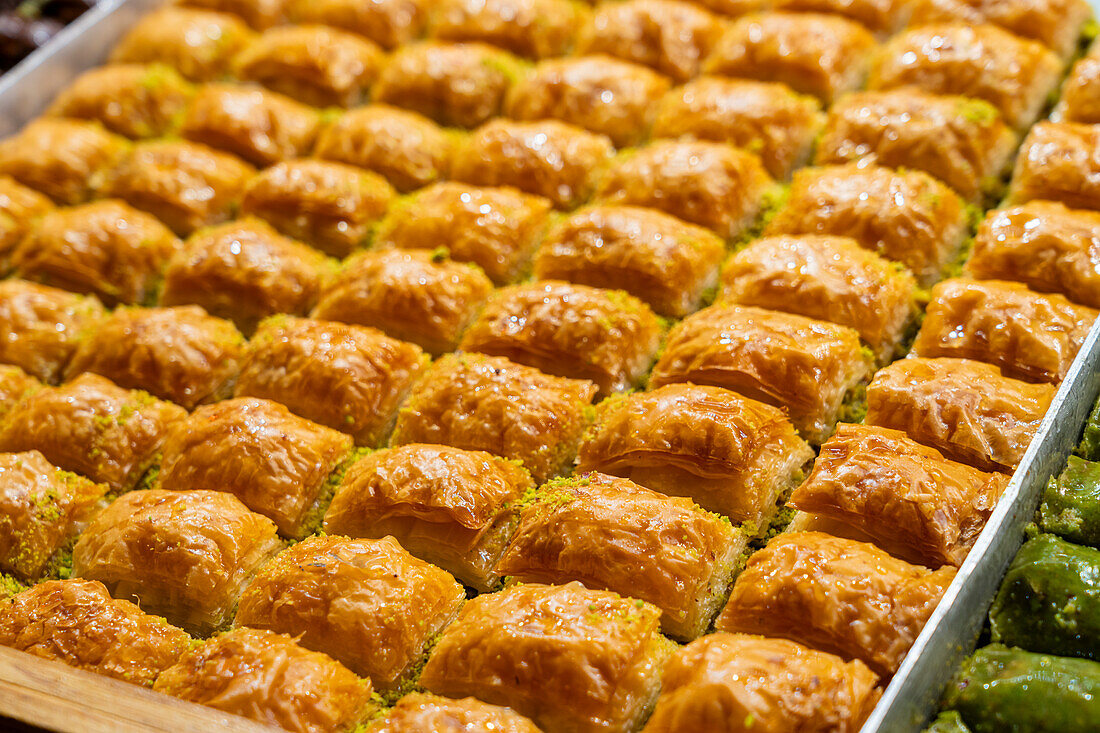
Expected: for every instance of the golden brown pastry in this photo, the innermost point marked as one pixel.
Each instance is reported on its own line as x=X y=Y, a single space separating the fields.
x=566 y=657
x=905 y=497
x=15 y=384
x=105 y=248
x=199 y=44
x=417 y=712
x=736 y=683
x=968 y=410
x=1058 y=161
x=906 y=216
x=1050 y=248
x=881 y=17
x=963 y=142
x=412 y=295
x=1056 y=24
x=805 y=366
x=837 y=595
x=43 y=326
x=276 y=463
x=598 y=92
x=451 y=507
x=1080 y=100
x=42 y=510
x=409 y=150
x=331 y=206
x=245 y=271
x=186 y=185
x=667 y=263
x=260 y=126
x=669 y=36
x=547 y=158
x=984 y=62
x=92 y=427
x=349 y=378
x=733 y=8
x=61 y=158
x=179 y=353
x=78 y=623
x=497 y=229
x=269 y=678
x=829 y=278
x=605 y=336
x=185 y=555
x=135 y=100
x=730 y=454
x=455 y=84
x=489 y=403
x=314 y=64
x=763 y=117
x=19 y=208
x=812 y=53
x=259 y=14
x=368 y=604
x=1030 y=336
x=609 y=533
x=533 y=29
x=388 y=23
x=714 y=185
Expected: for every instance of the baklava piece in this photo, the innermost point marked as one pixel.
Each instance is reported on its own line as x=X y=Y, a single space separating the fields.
x=134 y=100
x=962 y=142
x=497 y=229
x=259 y=14
x=837 y=595
x=93 y=428
x=179 y=353
x=739 y=683
x=984 y=62
x=1043 y=244
x=412 y=295
x=1059 y=161
x=42 y=510
x=1057 y=24
x=966 y=409
x=407 y=149
x=533 y=29
x=78 y=623
x=19 y=208
x=665 y=262
x=489 y=403
x=348 y=378
x=669 y=36
x=1080 y=100
x=451 y=507
x=605 y=651
x=199 y=44
x=605 y=336
x=902 y=496
x=245 y=271
x=660 y=549
x=765 y=118
x=730 y=454
x=389 y=23
x=1029 y=335
x=599 y=93
x=313 y=64
x=331 y=206
x=711 y=184
x=881 y=17
x=905 y=216
x=260 y=126
x=184 y=184
x=63 y=159
x=829 y=278
x=184 y=555
x=276 y=463
x=43 y=326
x=809 y=368
x=272 y=680
x=15 y=384
x=547 y=158
x=455 y=84
x=368 y=604
x=105 y=248
x=417 y=712
x=824 y=56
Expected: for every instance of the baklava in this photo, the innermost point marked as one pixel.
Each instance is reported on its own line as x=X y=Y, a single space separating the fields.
x=20 y=207
x=418 y=711
x=43 y=326
x=1056 y=24
x=1058 y=161
x=15 y=384
x=532 y=29
x=199 y=44
x=881 y=17
x=259 y=14
x=388 y=23
x=64 y=159
x=1080 y=100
